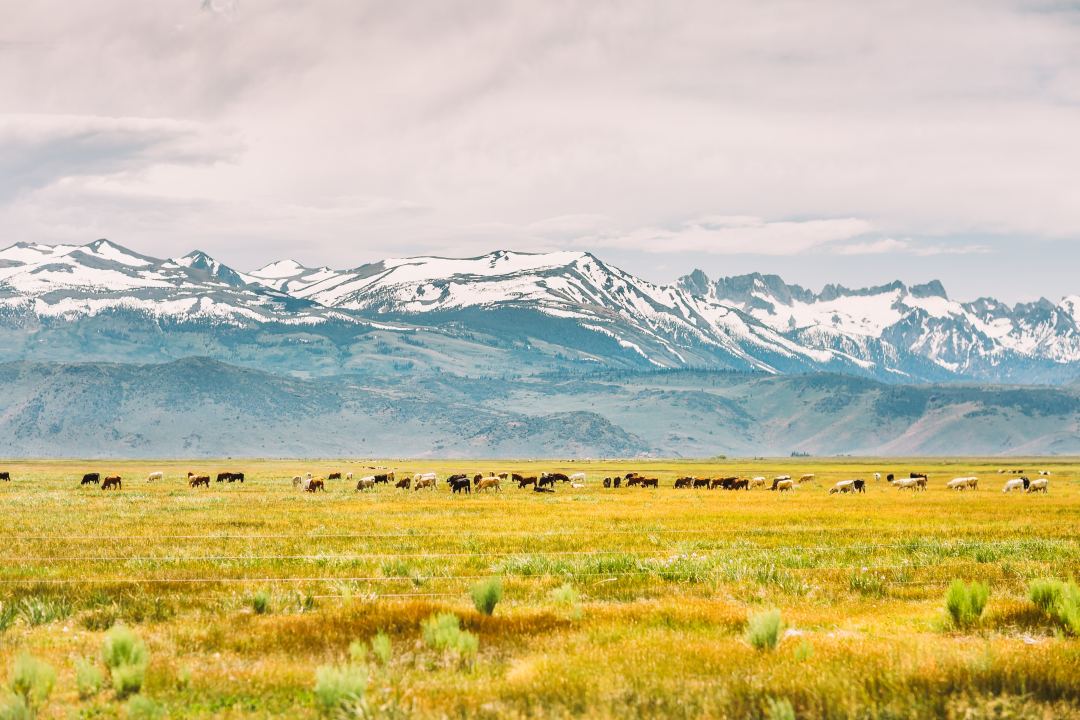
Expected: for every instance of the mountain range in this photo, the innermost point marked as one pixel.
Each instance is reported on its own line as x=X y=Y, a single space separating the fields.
x=513 y=354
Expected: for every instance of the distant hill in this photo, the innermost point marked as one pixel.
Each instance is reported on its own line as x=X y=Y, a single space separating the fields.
x=197 y=407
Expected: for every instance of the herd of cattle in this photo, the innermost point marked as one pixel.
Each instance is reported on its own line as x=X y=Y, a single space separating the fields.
x=545 y=482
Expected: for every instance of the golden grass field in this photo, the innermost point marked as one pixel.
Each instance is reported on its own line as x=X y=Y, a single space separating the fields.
x=616 y=603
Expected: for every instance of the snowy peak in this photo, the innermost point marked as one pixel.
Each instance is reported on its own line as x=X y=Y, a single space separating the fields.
x=199 y=261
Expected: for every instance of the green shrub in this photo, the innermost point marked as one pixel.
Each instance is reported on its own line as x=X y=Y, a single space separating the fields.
x=1060 y=601
x=486 y=594
x=763 y=630
x=260 y=602
x=381 y=648
x=88 y=678
x=126 y=657
x=779 y=709
x=340 y=690
x=14 y=707
x=32 y=681
x=966 y=603
x=565 y=595
x=443 y=632
x=100 y=619
x=8 y=613
x=141 y=707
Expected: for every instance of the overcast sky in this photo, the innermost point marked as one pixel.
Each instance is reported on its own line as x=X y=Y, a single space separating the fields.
x=828 y=141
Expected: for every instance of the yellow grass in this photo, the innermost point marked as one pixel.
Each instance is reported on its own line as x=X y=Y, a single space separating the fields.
x=665 y=581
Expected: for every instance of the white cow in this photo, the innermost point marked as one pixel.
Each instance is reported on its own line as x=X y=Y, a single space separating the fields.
x=907 y=483
x=758 y=481
x=155 y=476
x=844 y=486
x=365 y=483
x=877 y=476
x=806 y=478
x=1039 y=485
x=577 y=477
x=348 y=476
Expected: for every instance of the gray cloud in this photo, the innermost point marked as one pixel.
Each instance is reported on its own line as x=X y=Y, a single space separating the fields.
x=351 y=129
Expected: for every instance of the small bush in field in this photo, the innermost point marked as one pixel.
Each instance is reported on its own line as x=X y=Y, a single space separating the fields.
x=126 y=657
x=260 y=602
x=340 y=690
x=486 y=595
x=965 y=603
x=1060 y=601
x=443 y=632
x=143 y=708
x=31 y=682
x=381 y=648
x=779 y=709
x=88 y=678
x=763 y=630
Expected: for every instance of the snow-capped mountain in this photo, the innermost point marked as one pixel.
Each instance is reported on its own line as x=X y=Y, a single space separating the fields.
x=983 y=339
x=503 y=310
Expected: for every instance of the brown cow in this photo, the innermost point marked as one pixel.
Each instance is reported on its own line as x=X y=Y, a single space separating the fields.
x=524 y=482
x=197 y=480
x=334 y=476
x=403 y=482
x=315 y=485
x=488 y=483
x=113 y=481
x=684 y=482
x=650 y=482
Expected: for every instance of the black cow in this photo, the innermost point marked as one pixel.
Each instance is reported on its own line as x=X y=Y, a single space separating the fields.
x=91 y=479
x=5 y=476
x=607 y=482
x=460 y=484
x=859 y=486
x=684 y=482
x=547 y=480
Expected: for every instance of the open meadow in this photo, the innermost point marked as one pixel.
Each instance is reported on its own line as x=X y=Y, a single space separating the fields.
x=261 y=600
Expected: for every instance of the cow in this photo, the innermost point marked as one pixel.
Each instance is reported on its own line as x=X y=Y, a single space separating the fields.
x=963 y=483
x=424 y=481
x=455 y=477
x=916 y=476
x=404 y=483
x=365 y=483
x=577 y=477
x=461 y=485
x=5 y=476
x=334 y=476
x=908 y=484
x=683 y=482
x=631 y=476
x=349 y=476
x=700 y=483
x=783 y=485
x=607 y=482
x=488 y=483
x=877 y=476
x=616 y=481
x=197 y=480
x=561 y=477
x=155 y=476
x=113 y=481
x=806 y=478
x=781 y=477
x=724 y=482
x=859 y=485
x=91 y=479
x=1039 y=485
x=223 y=476
x=538 y=488
x=545 y=481
x=428 y=476
x=635 y=480
x=384 y=478
x=313 y=485
x=516 y=477
x=844 y=486
x=1044 y=473
x=890 y=477
x=758 y=481
x=523 y=482
x=650 y=482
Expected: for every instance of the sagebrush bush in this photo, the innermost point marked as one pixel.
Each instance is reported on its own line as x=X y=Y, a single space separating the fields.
x=565 y=595
x=141 y=707
x=1060 y=601
x=340 y=689
x=486 y=594
x=965 y=603
x=763 y=630
x=443 y=632
x=126 y=657
x=260 y=602
x=32 y=680
x=88 y=678
x=381 y=648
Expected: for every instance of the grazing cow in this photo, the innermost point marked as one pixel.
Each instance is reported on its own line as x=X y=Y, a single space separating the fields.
x=1039 y=485
x=384 y=478
x=538 y=488
x=844 y=486
x=365 y=483
x=1020 y=483
x=545 y=481
x=461 y=485
x=577 y=477
x=963 y=483
x=806 y=478
x=616 y=482
x=349 y=476
x=113 y=481
x=725 y=482
x=425 y=481
x=525 y=481
x=235 y=477
x=785 y=485
x=650 y=482
x=489 y=483
x=908 y=484
x=5 y=476
x=404 y=483
x=297 y=481
x=698 y=483
x=197 y=480
x=561 y=477
x=334 y=476
x=517 y=477
x=423 y=476
x=456 y=476
x=683 y=482
x=758 y=481
x=916 y=476
x=860 y=486
x=155 y=476
x=223 y=476
x=477 y=478
x=630 y=476
x=781 y=477
x=635 y=480
x=315 y=485
x=91 y=479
